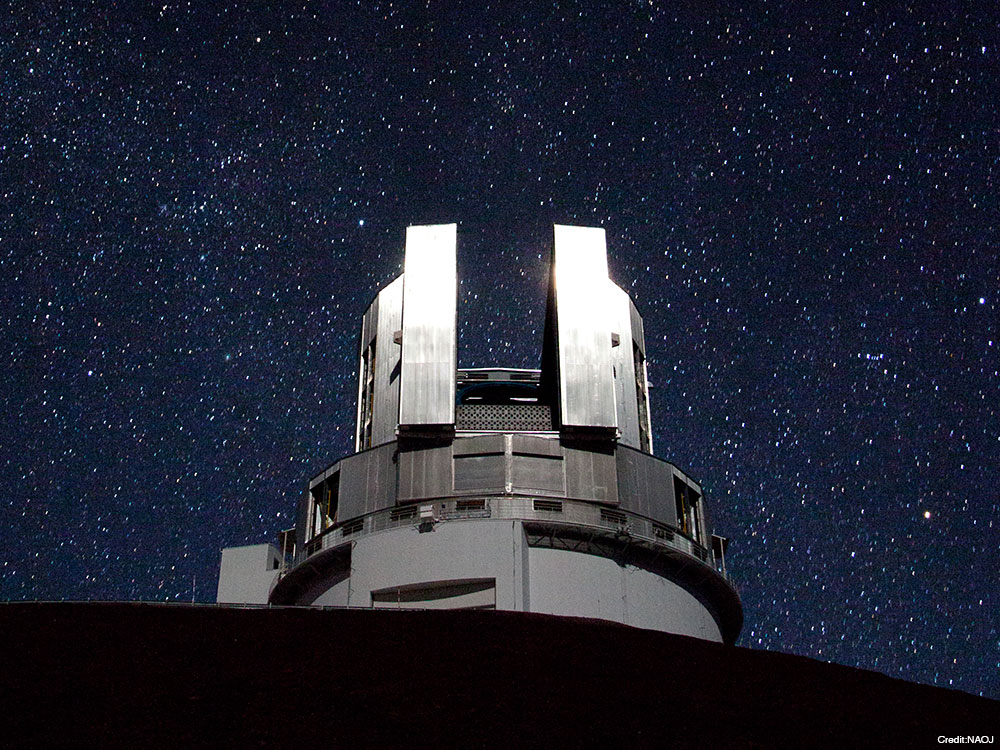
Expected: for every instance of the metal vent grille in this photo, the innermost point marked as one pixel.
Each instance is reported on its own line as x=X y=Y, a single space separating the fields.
x=551 y=506
x=521 y=417
x=465 y=505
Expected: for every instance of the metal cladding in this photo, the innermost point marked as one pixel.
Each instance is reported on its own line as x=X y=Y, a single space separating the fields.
x=540 y=485
x=429 y=359
x=378 y=382
x=623 y=365
x=583 y=325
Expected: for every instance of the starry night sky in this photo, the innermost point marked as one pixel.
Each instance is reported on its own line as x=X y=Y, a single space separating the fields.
x=200 y=200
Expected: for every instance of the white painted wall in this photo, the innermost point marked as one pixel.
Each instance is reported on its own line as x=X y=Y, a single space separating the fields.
x=531 y=579
x=451 y=552
x=246 y=574
x=573 y=583
x=337 y=596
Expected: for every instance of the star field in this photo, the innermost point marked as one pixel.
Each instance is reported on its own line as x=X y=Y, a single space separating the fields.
x=200 y=200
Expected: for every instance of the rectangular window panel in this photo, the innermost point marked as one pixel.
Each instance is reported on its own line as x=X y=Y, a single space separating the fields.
x=479 y=593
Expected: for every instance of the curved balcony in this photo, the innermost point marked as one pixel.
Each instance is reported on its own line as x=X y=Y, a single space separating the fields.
x=626 y=537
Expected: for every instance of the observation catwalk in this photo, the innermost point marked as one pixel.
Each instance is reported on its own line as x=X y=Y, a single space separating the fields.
x=499 y=488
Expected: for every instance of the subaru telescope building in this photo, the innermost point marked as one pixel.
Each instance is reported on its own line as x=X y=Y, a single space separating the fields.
x=499 y=488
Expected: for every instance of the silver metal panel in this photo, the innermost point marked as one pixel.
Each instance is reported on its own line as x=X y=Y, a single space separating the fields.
x=353 y=486
x=387 y=363
x=586 y=382
x=427 y=395
x=302 y=519
x=645 y=485
x=591 y=474
x=378 y=369
x=642 y=381
x=532 y=445
x=623 y=366
x=482 y=444
x=382 y=478
x=482 y=472
x=538 y=474
x=367 y=332
x=367 y=482
x=638 y=332
x=368 y=323
x=425 y=473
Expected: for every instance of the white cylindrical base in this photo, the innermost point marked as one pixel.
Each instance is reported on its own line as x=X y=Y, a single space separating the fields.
x=488 y=564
